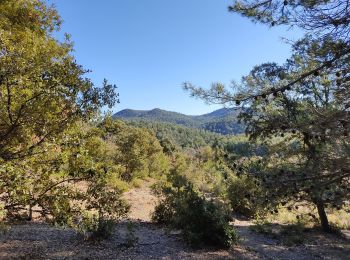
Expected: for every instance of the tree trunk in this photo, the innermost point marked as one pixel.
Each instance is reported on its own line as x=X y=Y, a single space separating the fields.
x=323 y=217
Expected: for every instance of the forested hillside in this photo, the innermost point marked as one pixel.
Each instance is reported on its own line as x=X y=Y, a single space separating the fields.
x=176 y=137
x=223 y=121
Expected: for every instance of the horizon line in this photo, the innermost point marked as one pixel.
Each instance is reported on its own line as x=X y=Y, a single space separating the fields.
x=157 y=108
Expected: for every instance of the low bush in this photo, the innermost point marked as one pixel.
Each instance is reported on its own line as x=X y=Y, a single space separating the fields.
x=136 y=183
x=131 y=239
x=95 y=228
x=202 y=222
x=4 y=228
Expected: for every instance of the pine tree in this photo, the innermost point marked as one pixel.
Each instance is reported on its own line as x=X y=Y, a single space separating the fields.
x=300 y=108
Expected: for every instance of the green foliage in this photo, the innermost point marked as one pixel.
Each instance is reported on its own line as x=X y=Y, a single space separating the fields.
x=202 y=222
x=174 y=137
x=80 y=174
x=54 y=162
x=244 y=196
x=325 y=19
x=239 y=147
x=222 y=121
x=88 y=167
x=95 y=228
x=225 y=126
x=132 y=239
x=4 y=227
x=58 y=161
x=42 y=88
x=299 y=112
x=139 y=152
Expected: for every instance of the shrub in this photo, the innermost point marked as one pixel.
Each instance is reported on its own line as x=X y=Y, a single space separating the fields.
x=95 y=228
x=132 y=239
x=136 y=183
x=244 y=196
x=202 y=222
x=4 y=228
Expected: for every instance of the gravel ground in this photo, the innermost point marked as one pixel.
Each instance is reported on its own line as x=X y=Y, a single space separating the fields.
x=148 y=241
x=42 y=241
x=316 y=245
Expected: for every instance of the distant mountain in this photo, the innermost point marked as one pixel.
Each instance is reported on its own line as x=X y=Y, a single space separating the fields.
x=222 y=121
x=223 y=112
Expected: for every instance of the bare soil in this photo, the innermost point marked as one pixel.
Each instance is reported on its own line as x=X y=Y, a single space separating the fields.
x=139 y=238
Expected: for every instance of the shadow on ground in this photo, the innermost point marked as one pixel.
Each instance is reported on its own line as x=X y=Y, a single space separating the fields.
x=146 y=241
x=304 y=245
x=138 y=238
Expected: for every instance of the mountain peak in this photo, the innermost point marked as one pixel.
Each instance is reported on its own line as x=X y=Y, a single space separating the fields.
x=157 y=109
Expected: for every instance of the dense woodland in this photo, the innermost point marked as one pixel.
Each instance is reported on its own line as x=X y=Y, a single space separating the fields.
x=223 y=121
x=65 y=162
x=175 y=137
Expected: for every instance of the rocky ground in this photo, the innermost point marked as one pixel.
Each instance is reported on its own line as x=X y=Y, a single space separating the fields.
x=139 y=238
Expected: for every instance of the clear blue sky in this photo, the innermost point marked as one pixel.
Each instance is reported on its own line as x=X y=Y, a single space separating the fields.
x=148 y=48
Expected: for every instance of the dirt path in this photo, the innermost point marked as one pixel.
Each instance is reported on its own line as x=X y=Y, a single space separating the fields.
x=142 y=202
x=139 y=238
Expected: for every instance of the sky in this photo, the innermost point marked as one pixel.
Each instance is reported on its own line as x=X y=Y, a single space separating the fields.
x=148 y=48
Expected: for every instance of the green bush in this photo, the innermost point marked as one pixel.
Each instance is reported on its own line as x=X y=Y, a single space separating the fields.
x=95 y=228
x=244 y=196
x=202 y=222
x=4 y=228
